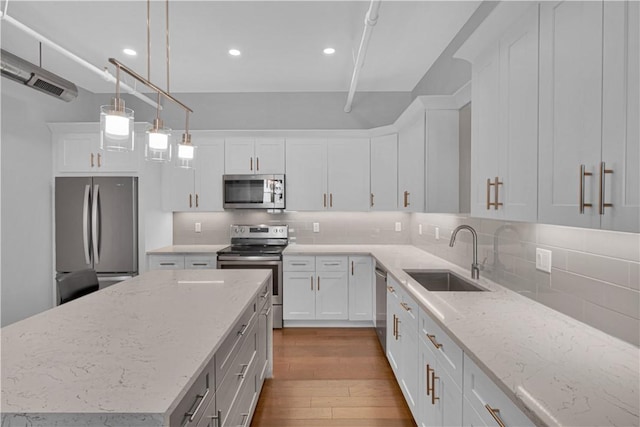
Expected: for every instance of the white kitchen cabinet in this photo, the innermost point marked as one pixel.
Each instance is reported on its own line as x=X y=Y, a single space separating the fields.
x=327 y=175
x=589 y=113
x=492 y=407
x=199 y=188
x=254 y=156
x=180 y=261
x=442 y=161
x=77 y=148
x=360 y=288
x=384 y=173
x=393 y=318
x=316 y=291
x=411 y=164
x=505 y=124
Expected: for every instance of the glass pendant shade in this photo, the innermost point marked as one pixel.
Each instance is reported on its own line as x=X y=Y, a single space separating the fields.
x=158 y=146
x=186 y=152
x=116 y=127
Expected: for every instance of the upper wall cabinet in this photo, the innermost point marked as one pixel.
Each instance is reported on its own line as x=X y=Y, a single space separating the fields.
x=77 y=149
x=254 y=156
x=200 y=188
x=589 y=115
x=411 y=162
x=384 y=173
x=504 y=141
x=327 y=174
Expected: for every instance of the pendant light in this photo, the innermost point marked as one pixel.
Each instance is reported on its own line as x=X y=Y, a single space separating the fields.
x=186 y=150
x=116 y=123
x=158 y=146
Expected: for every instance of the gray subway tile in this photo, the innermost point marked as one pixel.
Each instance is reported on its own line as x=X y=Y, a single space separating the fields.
x=613 y=244
x=616 y=324
x=598 y=267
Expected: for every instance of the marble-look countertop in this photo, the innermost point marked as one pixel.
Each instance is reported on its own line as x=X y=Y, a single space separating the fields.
x=187 y=249
x=559 y=371
x=124 y=355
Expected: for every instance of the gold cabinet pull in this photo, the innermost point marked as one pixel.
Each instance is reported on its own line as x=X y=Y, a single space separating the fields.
x=428 y=386
x=489 y=193
x=432 y=338
x=190 y=200
x=495 y=413
x=406 y=199
x=330 y=200
x=311 y=282
x=197 y=200
x=324 y=200
x=250 y=163
x=433 y=387
x=581 y=203
x=405 y=306
x=371 y=202
x=601 y=203
x=99 y=160
x=352 y=267
x=257 y=163
x=390 y=289
x=495 y=184
x=91 y=159
x=318 y=282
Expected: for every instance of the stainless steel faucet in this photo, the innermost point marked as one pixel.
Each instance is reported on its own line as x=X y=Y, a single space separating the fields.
x=475 y=267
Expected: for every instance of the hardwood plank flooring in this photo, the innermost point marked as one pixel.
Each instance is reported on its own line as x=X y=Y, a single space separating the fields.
x=330 y=377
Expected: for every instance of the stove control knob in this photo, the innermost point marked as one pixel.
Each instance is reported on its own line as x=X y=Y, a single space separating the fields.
x=242 y=230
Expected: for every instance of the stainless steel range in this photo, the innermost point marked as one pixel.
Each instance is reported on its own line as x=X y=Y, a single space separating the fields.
x=258 y=247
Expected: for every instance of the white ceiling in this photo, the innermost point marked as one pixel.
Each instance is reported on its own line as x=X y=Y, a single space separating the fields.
x=281 y=42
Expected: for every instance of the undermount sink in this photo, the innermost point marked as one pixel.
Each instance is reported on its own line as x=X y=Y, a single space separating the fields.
x=443 y=281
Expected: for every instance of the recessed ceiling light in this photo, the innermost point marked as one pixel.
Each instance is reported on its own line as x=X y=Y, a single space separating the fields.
x=234 y=52
x=129 y=52
x=329 y=51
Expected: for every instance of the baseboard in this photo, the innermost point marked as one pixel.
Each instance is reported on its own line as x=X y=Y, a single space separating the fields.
x=328 y=324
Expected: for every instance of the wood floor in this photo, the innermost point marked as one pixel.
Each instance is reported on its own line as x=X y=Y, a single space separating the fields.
x=330 y=377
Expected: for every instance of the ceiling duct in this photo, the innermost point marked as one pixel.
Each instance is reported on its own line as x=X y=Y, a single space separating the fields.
x=24 y=72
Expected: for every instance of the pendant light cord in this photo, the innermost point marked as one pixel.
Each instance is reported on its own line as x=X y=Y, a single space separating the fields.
x=168 y=47
x=149 y=40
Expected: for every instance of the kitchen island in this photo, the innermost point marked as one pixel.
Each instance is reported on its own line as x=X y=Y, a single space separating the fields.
x=131 y=353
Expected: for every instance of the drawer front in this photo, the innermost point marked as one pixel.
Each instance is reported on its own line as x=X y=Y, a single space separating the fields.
x=332 y=263
x=192 y=406
x=210 y=416
x=242 y=371
x=233 y=343
x=450 y=356
x=166 y=262
x=243 y=407
x=200 y=261
x=263 y=297
x=299 y=263
x=481 y=391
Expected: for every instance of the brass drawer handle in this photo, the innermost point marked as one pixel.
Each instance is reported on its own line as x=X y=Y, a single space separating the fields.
x=324 y=200
x=91 y=159
x=390 y=289
x=251 y=163
x=428 y=386
x=372 y=200
x=190 y=200
x=495 y=413
x=432 y=338
x=405 y=306
x=601 y=203
x=581 y=203
x=406 y=199
x=433 y=387
x=496 y=185
x=202 y=397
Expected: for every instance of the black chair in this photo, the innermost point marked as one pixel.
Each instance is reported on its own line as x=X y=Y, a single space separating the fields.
x=76 y=284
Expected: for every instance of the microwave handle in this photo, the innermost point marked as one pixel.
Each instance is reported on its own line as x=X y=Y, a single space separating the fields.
x=273 y=191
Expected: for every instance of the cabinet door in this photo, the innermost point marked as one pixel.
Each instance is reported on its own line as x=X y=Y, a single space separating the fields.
x=178 y=190
x=360 y=288
x=471 y=418
x=298 y=296
x=393 y=343
x=238 y=157
x=484 y=131
x=428 y=413
x=443 y=161
x=449 y=401
x=348 y=174
x=411 y=164
x=306 y=165
x=77 y=152
x=269 y=156
x=620 y=112
x=332 y=296
x=409 y=363
x=208 y=175
x=384 y=173
x=518 y=168
x=570 y=110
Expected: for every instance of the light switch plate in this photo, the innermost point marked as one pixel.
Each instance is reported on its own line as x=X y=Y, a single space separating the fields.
x=543 y=260
x=437 y=230
x=316 y=227
x=420 y=229
x=398 y=226
x=198 y=227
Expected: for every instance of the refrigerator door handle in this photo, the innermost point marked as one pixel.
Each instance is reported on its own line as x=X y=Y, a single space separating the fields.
x=94 y=224
x=85 y=225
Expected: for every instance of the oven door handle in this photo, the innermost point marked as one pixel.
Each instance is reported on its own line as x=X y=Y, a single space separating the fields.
x=248 y=258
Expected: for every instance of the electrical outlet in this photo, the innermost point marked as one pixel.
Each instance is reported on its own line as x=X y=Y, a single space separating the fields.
x=437 y=231
x=198 y=227
x=398 y=226
x=316 y=227
x=543 y=260
x=420 y=229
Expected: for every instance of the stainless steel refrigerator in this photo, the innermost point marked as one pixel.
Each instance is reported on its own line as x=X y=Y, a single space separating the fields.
x=97 y=226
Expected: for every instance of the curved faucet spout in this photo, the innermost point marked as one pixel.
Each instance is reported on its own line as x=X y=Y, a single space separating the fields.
x=475 y=267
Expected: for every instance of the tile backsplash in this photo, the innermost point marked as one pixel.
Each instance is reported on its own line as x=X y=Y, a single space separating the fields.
x=595 y=274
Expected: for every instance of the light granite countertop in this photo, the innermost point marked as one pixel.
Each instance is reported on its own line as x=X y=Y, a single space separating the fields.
x=125 y=355
x=187 y=249
x=559 y=371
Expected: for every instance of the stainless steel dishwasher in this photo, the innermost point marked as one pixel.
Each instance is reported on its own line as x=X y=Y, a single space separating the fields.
x=381 y=306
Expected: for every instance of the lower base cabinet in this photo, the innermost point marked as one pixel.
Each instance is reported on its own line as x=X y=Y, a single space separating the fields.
x=180 y=262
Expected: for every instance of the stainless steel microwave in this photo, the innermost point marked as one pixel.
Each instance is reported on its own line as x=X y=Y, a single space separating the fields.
x=253 y=191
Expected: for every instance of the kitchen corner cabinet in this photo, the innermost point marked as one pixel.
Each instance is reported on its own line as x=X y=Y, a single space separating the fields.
x=384 y=173
x=411 y=164
x=504 y=145
x=315 y=288
x=199 y=188
x=77 y=149
x=330 y=175
x=589 y=109
x=254 y=156
x=361 y=288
